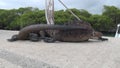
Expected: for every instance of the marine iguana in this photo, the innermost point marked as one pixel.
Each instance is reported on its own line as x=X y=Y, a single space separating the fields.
x=70 y=32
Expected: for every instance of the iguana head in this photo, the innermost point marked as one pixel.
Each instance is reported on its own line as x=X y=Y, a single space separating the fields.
x=97 y=34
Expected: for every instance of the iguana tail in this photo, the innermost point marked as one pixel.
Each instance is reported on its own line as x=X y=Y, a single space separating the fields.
x=13 y=38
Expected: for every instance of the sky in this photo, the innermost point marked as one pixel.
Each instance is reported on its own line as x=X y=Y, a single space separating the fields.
x=93 y=6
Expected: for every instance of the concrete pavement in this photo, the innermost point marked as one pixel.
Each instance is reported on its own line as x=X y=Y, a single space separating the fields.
x=26 y=54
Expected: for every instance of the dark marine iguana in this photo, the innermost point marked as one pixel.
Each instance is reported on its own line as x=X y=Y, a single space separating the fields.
x=69 y=32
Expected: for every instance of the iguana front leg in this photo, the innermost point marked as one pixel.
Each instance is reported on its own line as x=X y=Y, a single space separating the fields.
x=102 y=39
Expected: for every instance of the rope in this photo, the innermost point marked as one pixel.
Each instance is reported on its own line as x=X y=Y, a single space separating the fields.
x=70 y=10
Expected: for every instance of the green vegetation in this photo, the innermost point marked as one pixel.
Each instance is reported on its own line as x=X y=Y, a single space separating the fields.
x=16 y=19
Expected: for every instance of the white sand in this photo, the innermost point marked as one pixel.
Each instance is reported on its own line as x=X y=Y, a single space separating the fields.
x=92 y=54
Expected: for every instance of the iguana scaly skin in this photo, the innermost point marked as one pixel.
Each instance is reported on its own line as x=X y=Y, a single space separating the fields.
x=70 y=32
